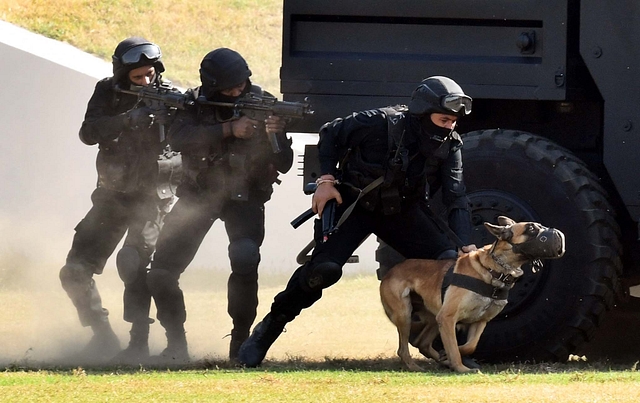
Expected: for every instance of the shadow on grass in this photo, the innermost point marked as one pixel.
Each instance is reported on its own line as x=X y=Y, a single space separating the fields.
x=329 y=364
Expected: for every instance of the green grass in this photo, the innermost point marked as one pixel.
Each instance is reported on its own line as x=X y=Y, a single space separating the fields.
x=306 y=384
x=185 y=30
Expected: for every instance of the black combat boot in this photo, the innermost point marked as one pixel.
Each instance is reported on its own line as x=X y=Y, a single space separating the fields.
x=177 y=351
x=255 y=348
x=104 y=344
x=138 y=350
x=237 y=338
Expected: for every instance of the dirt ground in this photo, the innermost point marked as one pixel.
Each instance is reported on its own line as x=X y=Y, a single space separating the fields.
x=41 y=325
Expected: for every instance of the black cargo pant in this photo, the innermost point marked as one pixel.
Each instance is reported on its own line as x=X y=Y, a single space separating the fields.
x=411 y=232
x=184 y=230
x=97 y=235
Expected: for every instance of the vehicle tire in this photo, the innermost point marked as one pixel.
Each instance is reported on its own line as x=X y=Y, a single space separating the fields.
x=529 y=178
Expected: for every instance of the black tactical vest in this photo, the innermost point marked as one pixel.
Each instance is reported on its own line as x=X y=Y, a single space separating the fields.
x=401 y=184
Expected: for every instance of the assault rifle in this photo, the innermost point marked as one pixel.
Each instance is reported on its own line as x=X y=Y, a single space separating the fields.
x=163 y=100
x=259 y=107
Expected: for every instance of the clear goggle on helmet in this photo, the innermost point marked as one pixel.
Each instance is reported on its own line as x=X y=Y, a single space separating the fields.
x=456 y=102
x=149 y=50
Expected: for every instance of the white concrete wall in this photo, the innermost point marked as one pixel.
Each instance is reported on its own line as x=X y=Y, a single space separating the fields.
x=47 y=173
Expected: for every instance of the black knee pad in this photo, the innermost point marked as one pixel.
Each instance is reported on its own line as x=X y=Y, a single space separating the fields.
x=160 y=281
x=129 y=264
x=320 y=276
x=244 y=255
x=448 y=254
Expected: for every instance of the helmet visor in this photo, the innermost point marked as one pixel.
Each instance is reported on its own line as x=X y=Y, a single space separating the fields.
x=132 y=56
x=455 y=103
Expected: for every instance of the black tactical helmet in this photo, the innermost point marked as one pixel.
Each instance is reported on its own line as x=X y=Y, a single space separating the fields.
x=439 y=94
x=135 y=52
x=222 y=69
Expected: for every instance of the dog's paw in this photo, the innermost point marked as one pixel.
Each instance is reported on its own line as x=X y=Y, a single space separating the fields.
x=467 y=370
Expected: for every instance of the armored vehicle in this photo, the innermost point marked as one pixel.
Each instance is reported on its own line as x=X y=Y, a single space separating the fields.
x=554 y=136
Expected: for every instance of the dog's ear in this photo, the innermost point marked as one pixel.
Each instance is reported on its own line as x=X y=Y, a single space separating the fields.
x=504 y=220
x=499 y=231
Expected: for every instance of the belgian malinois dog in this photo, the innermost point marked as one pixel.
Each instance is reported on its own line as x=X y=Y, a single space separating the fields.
x=469 y=291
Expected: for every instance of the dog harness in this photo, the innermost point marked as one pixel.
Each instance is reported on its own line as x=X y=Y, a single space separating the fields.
x=478 y=286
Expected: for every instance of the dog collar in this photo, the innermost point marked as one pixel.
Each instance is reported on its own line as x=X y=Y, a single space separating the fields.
x=508 y=279
x=536 y=264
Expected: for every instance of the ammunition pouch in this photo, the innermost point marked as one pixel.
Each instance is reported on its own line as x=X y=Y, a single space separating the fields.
x=114 y=172
x=169 y=174
x=393 y=182
x=390 y=198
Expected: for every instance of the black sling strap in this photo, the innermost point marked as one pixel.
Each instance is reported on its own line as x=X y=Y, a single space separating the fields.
x=395 y=129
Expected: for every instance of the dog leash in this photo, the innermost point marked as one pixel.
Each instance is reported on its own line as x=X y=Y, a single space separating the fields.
x=444 y=227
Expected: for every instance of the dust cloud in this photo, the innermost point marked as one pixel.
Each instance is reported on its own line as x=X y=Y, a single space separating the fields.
x=47 y=177
x=39 y=323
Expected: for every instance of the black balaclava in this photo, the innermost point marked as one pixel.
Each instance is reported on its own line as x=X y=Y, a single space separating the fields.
x=132 y=53
x=435 y=94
